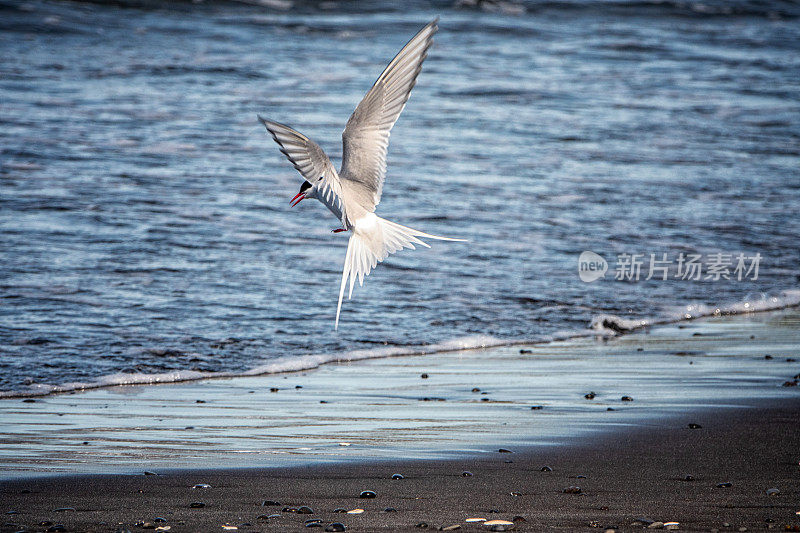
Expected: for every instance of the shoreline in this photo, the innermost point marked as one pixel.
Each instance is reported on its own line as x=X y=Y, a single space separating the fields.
x=603 y=325
x=627 y=478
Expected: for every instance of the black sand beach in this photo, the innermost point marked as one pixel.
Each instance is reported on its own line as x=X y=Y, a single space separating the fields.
x=630 y=480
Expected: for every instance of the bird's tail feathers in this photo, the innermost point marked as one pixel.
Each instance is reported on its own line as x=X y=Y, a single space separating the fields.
x=371 y=242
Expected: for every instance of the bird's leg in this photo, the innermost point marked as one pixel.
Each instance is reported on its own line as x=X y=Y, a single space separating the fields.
x=338 y=230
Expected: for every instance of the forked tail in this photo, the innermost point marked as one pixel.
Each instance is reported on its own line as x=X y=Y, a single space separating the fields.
x=373 y=239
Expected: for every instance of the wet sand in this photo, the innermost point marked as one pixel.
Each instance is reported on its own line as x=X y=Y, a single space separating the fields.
x=632 y=477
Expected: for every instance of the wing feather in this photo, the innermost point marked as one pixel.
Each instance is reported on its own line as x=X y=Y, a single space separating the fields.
x=309 y=159
x=365 y=139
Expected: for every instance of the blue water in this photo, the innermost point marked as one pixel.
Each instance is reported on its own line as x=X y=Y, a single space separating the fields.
x=144 y=216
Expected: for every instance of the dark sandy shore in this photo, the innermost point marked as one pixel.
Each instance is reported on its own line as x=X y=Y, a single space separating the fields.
x=627 y=480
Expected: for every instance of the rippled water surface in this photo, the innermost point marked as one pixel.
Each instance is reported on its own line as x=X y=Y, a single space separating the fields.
x=144 y=210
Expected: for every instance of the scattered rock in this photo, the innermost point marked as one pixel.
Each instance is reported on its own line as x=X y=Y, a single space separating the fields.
x=772 y=492
x=590 y=396
x=339 y=510
x=627 y=399
x=270 y=503
x=724 y=485
x=642 y=521
x=504 y=450
x=537 y=407
x=313 y=522
x=470 y=520
x=367 y=494
x=671 y=525
x=424 y=376
x=656 y=525
x=397 y=476
x=197 y=505
x=546 y=469
x=202 y=486
x=289 y=510
x=160 y=520
x=574 y=489
x=451 y=528
x=466 y=473
x=695 y=426
x=336 y=526
x=390 y=510
x=688 y=477
x=355 y=511
x=422 y=525
x=518 y=518
x=305 y=509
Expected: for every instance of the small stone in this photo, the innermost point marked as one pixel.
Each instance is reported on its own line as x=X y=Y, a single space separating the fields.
x=546 y=469
x=355 y=511
x=537 y=407
x=451 y=528
x=148 y=525
x=695 y=426
x=466 y=473
x=475 y=520
x=313 y=522
x=507 y=461
x=689 y=477
x=516 y=494
x=202 y=486
x=609 y=530
x=498 y=523
x=270 y=503
x=792 y=383
x=424 y=376
x=518 y=518
x=671 y=525
x=772 y=492
x=590 y=396
x=339 y=510
x=397 y=476
x=724 y=485
x=336 y=526
x=656 y=525
x=742 y=528
x=367 y=494
x=289 y=510
x=627 y=399
x=574 y=489
x=580 y=476
x=197 y=505
x=504 y=450
x=305 y=509
x=422 y=525
x=390 y=510
x=160 y=520
x=57 y=527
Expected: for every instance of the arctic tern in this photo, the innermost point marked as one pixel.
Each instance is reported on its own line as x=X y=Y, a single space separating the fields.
x=353 y=193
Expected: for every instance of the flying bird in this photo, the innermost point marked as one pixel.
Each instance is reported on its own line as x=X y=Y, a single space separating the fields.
x=353 y=193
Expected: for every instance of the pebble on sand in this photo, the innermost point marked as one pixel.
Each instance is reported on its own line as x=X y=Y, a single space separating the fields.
x=574 y=489
x=270 y=503
x=627 y=399
x=546 y=469
x=390 y=510
x=724 y=485
x=355 y=511
x=424 y=376
x=305 y=509
x=367 y=494
x=397 y=476
x=772 y=492
x=498 y=523
x=537 y=407
x=451 y=528
x=202 y=486
x=695 y=426
x=336 y=526
x=590 y=396
x=197 y=505
x=475 y=520
x=313 y=522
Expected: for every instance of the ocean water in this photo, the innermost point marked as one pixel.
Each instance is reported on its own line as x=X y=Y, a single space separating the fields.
x=145 y=230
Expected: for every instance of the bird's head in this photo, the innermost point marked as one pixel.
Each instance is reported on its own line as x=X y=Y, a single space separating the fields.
x=306 y=191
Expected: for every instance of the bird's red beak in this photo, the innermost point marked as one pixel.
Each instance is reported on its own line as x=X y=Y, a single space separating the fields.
x=299 y=197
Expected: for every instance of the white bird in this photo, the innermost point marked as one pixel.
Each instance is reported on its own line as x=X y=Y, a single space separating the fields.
x=353 y=193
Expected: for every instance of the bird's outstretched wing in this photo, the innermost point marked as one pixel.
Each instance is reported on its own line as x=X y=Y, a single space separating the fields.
x=309 y=159
x=366 y=137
